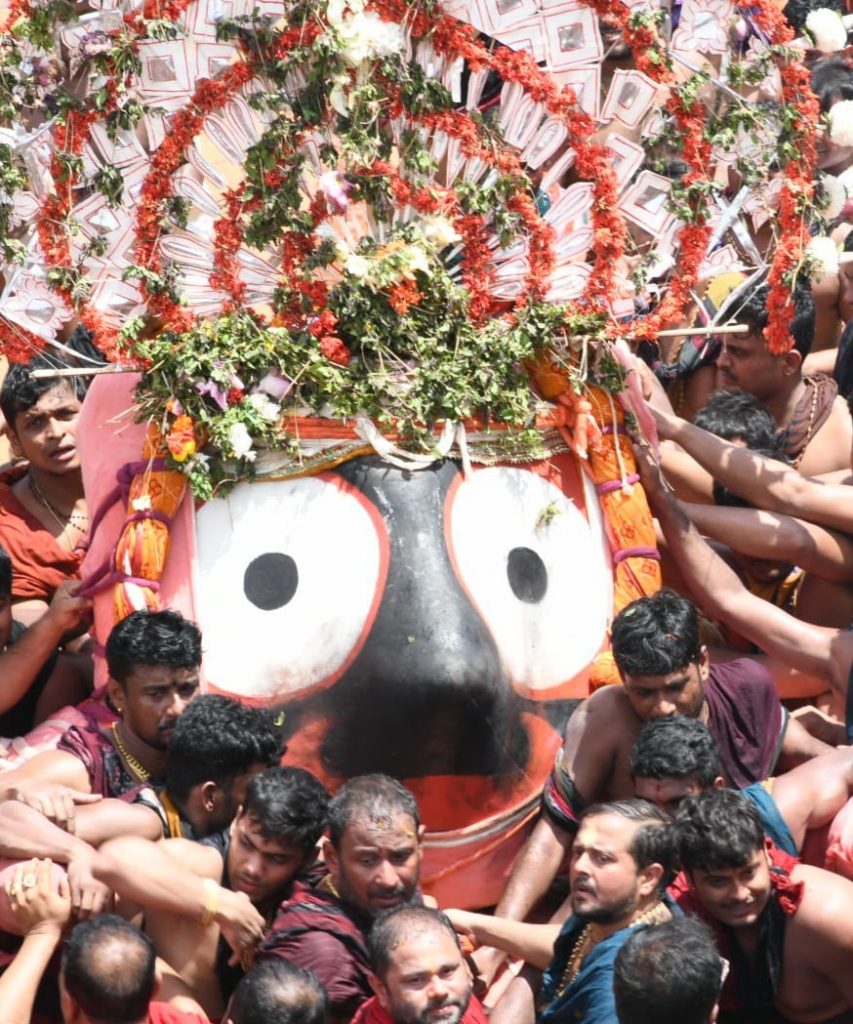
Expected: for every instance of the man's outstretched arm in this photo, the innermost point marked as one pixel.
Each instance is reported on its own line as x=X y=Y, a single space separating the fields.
x=812 y=649
x=764 y=483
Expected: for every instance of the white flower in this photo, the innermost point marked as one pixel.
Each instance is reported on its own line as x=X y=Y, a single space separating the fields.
x=265 y=406
x=841 y=123
x=341 y=97
x=335 y=10
x=823 y=253
x=440 y=231
x=835 y=191
x=356 y=266
x=846 y=179
x=240 y=441
x=415 y=259
x=827 y=29
x=364 y=35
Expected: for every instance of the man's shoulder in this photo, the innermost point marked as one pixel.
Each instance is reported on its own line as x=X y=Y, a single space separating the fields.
x=163 y=1013
x=745 y=677
x=314 y=909
x=606 y=705
x=826 y=907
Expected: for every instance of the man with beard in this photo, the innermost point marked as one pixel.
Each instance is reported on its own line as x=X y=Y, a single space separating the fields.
x=420 y=975
x=622 y=858
x=786 y=928
x=665 y=670
x=153 y=660
x=373 y=856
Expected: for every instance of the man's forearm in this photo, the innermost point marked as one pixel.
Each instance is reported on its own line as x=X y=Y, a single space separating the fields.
x=22 y=662
x=763 y=482
x=141 y=871
x=25 y=833
x=533 y=943
x=535 y=869
x=709 y=577
x=20 y=981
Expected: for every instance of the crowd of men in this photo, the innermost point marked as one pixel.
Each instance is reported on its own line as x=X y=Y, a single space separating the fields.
x=161 y=863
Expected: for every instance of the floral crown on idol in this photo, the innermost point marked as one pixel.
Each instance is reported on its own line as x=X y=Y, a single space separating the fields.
x=395 y=217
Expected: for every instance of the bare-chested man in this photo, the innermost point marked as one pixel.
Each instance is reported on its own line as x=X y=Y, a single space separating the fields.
x=786 y=928
x=665 y=671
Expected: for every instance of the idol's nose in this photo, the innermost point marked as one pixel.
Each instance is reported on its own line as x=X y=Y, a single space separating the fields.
x=428 y=694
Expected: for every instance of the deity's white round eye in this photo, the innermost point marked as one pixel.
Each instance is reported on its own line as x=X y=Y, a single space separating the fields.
x=290 y=574
x=536 y=571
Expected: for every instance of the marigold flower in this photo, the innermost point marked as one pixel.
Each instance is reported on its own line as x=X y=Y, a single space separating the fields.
x=181 y=441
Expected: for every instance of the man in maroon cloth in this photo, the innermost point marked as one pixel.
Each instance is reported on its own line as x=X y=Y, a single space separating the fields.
x=785 y=927
x=153 y=660
x=665 y=670
x=420 y=975
x=373 y=855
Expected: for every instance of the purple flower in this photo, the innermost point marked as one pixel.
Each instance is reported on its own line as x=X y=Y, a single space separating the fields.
x=335 y=188
x=209 y=387
x=93 y=43
x=274 y=385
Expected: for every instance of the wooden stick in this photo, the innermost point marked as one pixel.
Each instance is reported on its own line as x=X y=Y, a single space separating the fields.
x=678 y=332
x=80 y=371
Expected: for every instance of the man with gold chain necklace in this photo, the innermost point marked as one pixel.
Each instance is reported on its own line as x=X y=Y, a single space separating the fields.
x=153 y=660
x=218 y=747
x=43 y=515
x=622 y=859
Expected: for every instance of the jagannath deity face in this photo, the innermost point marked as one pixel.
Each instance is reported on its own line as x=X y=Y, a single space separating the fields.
x=429 y=625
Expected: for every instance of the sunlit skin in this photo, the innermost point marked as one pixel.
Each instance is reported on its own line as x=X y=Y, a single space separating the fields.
x=151 y=700
x=427 y=981
x=261 y=867
x=735 y=896
x=845 y=293
x=378 y=862
x=676 y=693
x=607 y=888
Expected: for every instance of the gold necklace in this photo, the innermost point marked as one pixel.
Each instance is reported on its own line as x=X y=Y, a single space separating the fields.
x=136 y=767
x=62 y=521
x=812 y=410
x=657 y=913
x=582 y=945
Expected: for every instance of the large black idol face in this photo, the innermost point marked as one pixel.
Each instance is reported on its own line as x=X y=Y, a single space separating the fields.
x=416 y=623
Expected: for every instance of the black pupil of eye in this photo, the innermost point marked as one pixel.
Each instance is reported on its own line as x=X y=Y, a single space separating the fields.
x=270 y=580
x=527 y=575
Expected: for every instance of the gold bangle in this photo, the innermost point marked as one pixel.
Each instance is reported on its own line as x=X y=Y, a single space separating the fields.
x=211 y=902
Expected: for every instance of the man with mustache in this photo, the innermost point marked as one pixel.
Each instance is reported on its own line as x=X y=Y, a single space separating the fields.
x=420 y=975
x=373 y=856
x=622 y=858
x=786 y=928
x=153 y=660
x=665 y=670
